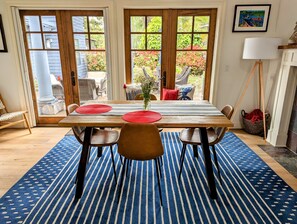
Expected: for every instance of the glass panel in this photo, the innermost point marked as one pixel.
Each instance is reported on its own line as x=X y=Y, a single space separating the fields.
x=137 y=23
x=146 y=63
x=96 y=24
x=201 y=24
x=97 y=41
x=48 y=82
x=79 y=24
x=92 y=75
x=183 y=41
x=32 y=23
x=154 y=24
x=51 y=41
x=184 y=23
x=34 y=41
x=49 y=23
x=197 y=61
x=154 y=41
x=81 y=42
x=200 y=41
x=138 y=41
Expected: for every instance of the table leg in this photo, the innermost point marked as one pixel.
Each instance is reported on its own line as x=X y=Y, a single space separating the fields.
x=208 y=163
x=195 y=150
x=83 y=163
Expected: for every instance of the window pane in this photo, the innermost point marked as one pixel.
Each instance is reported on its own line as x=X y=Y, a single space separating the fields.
x=154 y=41
x=49 y=23
x=148 y=60
x=96 y=24
x=34 y=41
x=79 y=24
x=201 y=24
x=81 y=41
x=97 y=41
x=51 y=41
x=138 y=41
x=183 y=41
x=137 y=24
x=154 y=24
x=197 y=61
x=32 y=23
x=200 y=41
x=184 y=24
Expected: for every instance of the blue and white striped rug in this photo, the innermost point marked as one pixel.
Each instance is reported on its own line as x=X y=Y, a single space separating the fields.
x=250 y=192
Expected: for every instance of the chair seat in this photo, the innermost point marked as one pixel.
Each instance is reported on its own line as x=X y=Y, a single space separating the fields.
x=8 y=116
x=192 y=136
x=102 y=137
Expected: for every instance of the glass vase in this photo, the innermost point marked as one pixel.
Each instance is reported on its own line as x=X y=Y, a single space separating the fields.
x=146 y=103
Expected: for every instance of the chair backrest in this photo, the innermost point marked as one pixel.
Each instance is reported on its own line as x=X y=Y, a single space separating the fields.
x=140 y=97
x=140 y=141
x=185 y=68
x=227 y=111
x=183 y=79
x=145 y=72
x=87 y=89
x=132 y=90
x=76 y=130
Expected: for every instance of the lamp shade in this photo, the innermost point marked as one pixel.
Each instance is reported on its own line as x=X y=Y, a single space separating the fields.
x=261 y=48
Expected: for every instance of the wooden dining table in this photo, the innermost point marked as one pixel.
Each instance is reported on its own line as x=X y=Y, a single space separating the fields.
x=175 y=114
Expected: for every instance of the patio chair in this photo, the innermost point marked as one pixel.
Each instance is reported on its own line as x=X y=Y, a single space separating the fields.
x=102 y=86
x=132 y=90
x=215 y=135
x=6 y=117
x=183 y=77
x=87 y=89
x=57 y=87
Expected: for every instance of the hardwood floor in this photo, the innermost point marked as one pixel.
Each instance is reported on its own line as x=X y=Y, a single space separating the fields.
x=19 y=151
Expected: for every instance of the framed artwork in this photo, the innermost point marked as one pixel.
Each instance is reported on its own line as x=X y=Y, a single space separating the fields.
x=251 y=18
x=3 y=46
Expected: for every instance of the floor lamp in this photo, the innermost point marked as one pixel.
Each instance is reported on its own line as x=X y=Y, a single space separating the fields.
x=258 y=49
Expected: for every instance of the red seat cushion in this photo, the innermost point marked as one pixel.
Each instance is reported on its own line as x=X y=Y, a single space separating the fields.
x=170 y=94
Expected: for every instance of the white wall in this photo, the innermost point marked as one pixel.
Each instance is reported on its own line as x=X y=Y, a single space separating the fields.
x=230 y=72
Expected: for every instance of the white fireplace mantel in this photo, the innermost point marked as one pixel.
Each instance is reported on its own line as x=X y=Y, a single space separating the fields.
x=285 y=93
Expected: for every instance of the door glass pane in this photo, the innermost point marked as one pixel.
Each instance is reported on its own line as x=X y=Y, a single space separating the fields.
x=96 y=24
x=184 y=41
x=184 y=23
x=79 y=24
x=48 y=23
x=81 y=42
x=34 y=41
x=154 y=24
x=146 y=63
x=51 y=41
x=200 y=41
x=91 y=65
x=201 y=24
x=197 y=61
x=154 y=41
x=46 y=66
x=137 y=23
x=138 y=41
x=32 y=23
x=97 y=41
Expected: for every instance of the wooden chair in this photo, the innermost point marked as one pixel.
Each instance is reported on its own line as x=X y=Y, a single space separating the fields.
x=140 y=97
x=99 y=138
x=6 y=117
x=215 y=135
x=140 y=142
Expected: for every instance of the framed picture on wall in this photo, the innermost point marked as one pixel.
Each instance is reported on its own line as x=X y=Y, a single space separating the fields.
x=251 y=18
x=3 y=46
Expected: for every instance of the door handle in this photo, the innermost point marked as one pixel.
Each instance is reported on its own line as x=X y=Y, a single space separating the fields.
x=164 y=79
x=72 y=78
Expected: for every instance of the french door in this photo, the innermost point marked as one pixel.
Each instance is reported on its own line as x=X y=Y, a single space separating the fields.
x=66 y=55
x=163 y=43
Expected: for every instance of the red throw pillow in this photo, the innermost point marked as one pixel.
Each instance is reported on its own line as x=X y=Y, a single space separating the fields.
x=170 y=94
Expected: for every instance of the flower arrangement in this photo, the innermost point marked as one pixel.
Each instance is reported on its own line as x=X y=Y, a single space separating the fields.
x=147 y=84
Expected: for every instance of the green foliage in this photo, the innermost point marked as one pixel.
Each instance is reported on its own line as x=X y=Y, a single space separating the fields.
x=96 y=62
